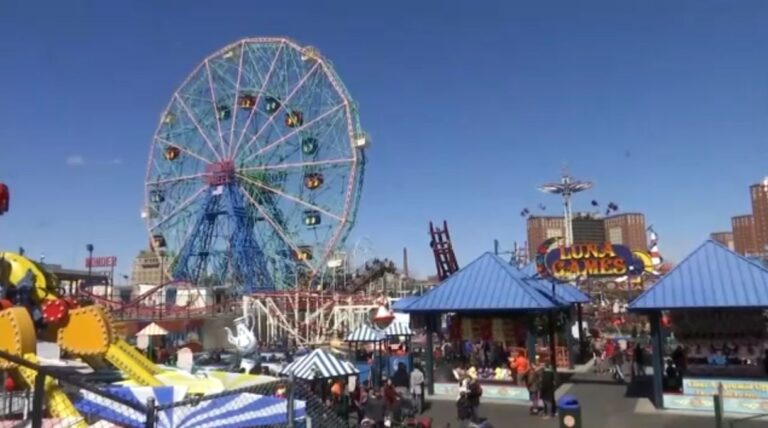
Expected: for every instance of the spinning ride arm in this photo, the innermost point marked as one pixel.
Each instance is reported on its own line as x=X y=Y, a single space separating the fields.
x=30 y=303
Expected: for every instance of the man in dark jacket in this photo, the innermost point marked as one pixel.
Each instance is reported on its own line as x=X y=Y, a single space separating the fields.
x=401 y=380
x=548 y=385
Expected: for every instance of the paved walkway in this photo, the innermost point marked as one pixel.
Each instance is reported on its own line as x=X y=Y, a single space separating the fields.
x=605 y=404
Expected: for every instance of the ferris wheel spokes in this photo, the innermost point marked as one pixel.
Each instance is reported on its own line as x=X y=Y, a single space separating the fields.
x=292 y=133
x=182 y=148
x=283 y=235
x=282 y=105
x=298 y=164
x=197 y=125
x=179 y=208
x=230 y=143
x=292 y=198
x=177 y=179
x=215 y=107
x=258 y=95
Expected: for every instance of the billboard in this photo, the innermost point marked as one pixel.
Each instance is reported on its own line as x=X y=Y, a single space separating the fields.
x=101 y=262
x=590 y=260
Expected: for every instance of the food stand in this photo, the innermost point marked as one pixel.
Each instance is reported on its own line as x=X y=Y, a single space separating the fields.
x=713 y=304
x=487 y=302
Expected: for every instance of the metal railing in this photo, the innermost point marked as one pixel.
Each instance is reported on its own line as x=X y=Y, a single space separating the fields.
x=736 y=423
x=302 y=407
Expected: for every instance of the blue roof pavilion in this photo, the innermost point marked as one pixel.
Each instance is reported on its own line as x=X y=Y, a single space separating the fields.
x=486 y=284
x=711 y=277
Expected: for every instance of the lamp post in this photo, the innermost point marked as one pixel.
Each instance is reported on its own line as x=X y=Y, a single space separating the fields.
x=161 y=256
x=553 y=332
x=89 y=248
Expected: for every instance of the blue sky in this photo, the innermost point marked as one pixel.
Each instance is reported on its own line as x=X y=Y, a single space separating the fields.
x=470 y=104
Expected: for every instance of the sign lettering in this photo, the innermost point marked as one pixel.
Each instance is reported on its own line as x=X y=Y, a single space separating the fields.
x=591 y=260
x=731 y=388
x=100 y=262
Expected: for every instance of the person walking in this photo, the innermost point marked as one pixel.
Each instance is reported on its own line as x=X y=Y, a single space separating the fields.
x=639 y=363
x=618 y=364
x=401 y=380
x=533 y=383
x=417 y=388
x=547 y=391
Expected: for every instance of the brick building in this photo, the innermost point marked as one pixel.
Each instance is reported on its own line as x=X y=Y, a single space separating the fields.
x=724 y=238
x=759 y=196
x=743 y=227
x=542 y=228
x=627 y=229
x=588 y=229
x=147 y=269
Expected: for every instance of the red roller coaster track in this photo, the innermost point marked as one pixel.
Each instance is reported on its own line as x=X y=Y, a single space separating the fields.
x=445 y=258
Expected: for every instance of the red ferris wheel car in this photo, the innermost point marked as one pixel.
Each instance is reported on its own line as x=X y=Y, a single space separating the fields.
x=5 y=198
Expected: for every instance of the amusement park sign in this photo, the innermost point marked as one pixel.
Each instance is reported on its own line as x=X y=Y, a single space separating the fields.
x=591 y=260
x=100 y=262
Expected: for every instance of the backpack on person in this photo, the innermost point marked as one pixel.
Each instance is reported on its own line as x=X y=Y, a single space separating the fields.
x=476 y=389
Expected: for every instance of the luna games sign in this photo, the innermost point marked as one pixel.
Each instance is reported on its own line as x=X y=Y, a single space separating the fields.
x=593 y=260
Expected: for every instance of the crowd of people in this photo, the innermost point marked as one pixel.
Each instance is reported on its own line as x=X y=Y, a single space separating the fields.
x=400 y=398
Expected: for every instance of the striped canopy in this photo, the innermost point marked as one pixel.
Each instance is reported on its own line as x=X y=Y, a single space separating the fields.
x=365 y=333
x=398 y=329
x=319 y=364
x=232 y=411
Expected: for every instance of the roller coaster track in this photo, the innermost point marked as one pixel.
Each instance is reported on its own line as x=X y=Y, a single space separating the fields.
x=442 y=248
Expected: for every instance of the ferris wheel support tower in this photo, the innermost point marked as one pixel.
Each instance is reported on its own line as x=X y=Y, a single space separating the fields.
x=566 y=188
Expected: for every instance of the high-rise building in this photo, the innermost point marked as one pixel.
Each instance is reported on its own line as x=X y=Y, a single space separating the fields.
x=627 y=229
x=147 y=269
x=724 y=238
x=744 y=235
x=541 y=228
x=588 y=229
x=759 y=194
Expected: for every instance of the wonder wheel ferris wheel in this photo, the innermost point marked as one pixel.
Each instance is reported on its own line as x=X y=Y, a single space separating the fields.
x=255 y=169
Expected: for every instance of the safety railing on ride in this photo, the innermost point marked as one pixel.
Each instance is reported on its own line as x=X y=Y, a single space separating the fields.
x=166 y=312
x=60 y=399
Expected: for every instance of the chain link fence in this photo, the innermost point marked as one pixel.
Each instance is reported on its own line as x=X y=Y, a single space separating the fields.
x=61 y=399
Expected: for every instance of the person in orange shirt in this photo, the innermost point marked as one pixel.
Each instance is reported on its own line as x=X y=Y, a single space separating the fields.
x=337 y=388
x=521 y=368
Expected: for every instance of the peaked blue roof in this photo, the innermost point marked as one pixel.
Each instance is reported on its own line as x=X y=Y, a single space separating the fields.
x=487 y=284
x=400 y=304
x=565 y=293
x=712 y=276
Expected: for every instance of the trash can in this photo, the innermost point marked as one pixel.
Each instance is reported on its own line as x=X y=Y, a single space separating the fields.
x=569 y=412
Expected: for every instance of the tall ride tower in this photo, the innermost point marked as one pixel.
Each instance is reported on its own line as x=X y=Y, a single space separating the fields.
x=566 y=188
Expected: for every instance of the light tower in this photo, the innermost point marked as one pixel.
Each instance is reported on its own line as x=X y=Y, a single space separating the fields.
x=566 y=188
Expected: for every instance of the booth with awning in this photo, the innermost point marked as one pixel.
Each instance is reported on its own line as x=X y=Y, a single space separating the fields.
x=713 y=305
x=490 y=300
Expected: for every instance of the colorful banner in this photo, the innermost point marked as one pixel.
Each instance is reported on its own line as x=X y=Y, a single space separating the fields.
x=707 y=404
x=731 y=388
x=501 y=392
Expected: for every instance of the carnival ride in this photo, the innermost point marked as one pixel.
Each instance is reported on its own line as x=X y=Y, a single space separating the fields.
x=5 y=198
x=442 y=248
x=254 y=178
x=255 y=169
x=30 y=304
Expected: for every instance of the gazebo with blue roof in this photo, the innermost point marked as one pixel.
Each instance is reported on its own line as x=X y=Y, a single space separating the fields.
x=711 y=278
x=486 y=285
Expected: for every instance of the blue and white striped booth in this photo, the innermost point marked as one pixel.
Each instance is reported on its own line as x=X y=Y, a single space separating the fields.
x=319 y=364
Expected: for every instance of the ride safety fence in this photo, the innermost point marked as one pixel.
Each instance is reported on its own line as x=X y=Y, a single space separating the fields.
x=62 y=398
